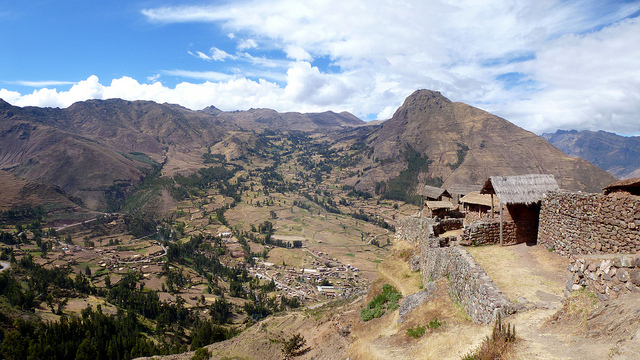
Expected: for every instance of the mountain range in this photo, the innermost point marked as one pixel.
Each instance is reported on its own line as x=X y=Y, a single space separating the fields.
x=98 y=150
x=619 y=155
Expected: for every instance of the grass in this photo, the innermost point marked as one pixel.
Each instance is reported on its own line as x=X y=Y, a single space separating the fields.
x=498 y=346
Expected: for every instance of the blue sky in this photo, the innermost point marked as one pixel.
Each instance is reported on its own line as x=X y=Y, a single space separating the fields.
x=543 y=65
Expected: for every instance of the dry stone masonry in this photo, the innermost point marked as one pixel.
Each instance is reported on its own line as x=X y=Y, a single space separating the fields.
x=413 y=228
x=576 y=223
x=488 y=232
x=469 y=285
x=607 y=276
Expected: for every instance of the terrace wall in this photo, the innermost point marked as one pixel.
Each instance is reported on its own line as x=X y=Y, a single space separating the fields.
x=576 y=223
x=469 y=285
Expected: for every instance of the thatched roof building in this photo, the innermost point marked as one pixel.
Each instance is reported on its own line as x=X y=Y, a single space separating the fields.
x=434 y=193
x=475 y=198
x=628 y=186
x=438 y=208
x=520 y=189
x=457 y=191
x=437 y=205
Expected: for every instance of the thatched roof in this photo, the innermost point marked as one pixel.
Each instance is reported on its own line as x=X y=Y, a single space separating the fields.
x=630 y=185
x=432 y=192
x=435 y=205
x=460 y=189
x=476 y=198
x=520 y=189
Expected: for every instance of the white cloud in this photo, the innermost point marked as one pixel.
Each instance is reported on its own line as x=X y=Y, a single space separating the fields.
x=245 y=44
x=199 y=75
x=544 y=65
x=216 y=55
x=42 y=83
x=297 y=53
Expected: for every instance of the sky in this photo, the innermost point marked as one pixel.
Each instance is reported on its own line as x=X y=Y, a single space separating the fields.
x=543 y=65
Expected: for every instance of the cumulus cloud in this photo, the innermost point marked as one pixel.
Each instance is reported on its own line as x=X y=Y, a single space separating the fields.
x=544 y=65
x=297 y=53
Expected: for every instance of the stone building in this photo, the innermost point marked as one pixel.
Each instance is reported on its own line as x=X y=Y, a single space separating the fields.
x=458 y=191
x=624 y=187
x=478 y=206
x=440 y=209
x=432 y=193
x=520 y=196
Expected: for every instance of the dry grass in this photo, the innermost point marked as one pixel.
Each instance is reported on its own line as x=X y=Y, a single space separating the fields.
x=522 y=271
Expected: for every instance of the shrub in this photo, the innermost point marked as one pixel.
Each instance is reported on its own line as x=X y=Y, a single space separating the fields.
x=421 y=330
x=201 y=354
x=417 y=332
x=375 y=308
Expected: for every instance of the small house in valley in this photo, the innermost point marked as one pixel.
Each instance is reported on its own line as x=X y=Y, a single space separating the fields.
x=520 y=196
x=432 y=193
x=435 y=201
x=478 y=206
x=458 y=191
x=440 y=209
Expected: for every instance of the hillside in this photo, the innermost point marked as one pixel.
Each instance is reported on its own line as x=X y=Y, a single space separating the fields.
x=619 y=155
x=466 y=145
x=217 y=226
x=262 y=119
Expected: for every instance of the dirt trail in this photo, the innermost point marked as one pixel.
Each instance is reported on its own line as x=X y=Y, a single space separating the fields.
x=534 y=278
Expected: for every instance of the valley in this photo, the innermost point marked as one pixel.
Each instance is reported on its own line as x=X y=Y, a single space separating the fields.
x=153 y=230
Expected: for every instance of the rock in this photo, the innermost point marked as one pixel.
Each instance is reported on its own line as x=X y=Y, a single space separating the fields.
x=622 y=275
x=575 y=287
x=605 y=266
x=626 y=261
x=629 y=285
x=603 y=297
x=593 y=267
x=569 y=286
x=634 y=277
x=616 y=262
x=415 y=263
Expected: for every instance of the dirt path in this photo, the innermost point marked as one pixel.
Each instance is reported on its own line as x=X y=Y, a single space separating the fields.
x=534 y=278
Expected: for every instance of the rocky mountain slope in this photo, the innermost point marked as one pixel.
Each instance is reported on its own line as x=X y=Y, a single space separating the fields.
x=619 y=155
x=466 y=145
x=262 y=119
x=101 y=150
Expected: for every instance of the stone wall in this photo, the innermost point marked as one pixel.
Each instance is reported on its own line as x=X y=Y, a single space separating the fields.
x=413 y=228
x=576 y=223
x=445 y=225
x=469 y=285
x=488 y=232
x=607 y=276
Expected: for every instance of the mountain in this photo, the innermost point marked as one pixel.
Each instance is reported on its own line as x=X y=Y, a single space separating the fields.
x=101 y=152
x=466 y=145
x=262 y=119
x=97 y=147
x=619 y=155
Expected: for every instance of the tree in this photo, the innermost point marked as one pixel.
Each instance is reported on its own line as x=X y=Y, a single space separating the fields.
x=291 y=347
